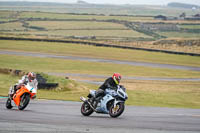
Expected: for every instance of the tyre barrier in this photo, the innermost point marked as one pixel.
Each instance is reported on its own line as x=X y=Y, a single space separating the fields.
x=47 y=85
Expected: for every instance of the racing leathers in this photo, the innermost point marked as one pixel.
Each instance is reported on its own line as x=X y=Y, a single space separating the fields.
x=109 y=83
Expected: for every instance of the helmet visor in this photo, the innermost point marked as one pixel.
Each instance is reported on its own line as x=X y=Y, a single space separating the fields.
x=117 y=80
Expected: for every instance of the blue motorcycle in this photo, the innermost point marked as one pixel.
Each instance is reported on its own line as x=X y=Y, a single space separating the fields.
x=112 y=103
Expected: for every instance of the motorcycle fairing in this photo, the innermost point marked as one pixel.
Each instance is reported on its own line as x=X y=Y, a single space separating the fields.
x=103 y=104
x=24 y=89
x=18 y=94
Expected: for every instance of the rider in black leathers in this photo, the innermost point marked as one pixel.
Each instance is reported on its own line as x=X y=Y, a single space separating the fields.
x=111 y=82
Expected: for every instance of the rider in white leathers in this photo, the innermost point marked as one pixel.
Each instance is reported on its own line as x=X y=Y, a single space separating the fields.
x=29 y=78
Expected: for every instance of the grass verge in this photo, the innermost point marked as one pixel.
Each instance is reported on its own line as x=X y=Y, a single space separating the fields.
x=84 y=67
x=181 y=94
x=159 y=98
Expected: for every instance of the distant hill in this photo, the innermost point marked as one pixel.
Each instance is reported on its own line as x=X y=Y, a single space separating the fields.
x=182 y=5
x=81 y=2
x=82 y=7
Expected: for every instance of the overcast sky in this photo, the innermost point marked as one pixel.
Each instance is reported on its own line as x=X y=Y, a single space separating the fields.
x=148 y=2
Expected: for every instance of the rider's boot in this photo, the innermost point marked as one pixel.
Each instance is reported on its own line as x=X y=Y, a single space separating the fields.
x=97 y=100
x=10 y=96
x=11 y=92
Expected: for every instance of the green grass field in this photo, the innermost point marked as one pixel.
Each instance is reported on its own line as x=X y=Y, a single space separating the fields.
x=79 y=17
x=99 y=28
x=180 y=35
x=88 y=27
x=6 y=14
x=84 y=67
x=99 y=52
x=170 y=99
x=6 y=19
x=147 y=93
x=12 y=26
x=190 y=26
x=165 y=94
x=52 y=25
x=49 y=15
x=85 y=33
x=71 y=28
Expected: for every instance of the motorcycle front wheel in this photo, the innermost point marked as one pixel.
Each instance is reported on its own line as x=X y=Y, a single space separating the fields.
x=117 y=110
x=86 y=110
x=25 y=98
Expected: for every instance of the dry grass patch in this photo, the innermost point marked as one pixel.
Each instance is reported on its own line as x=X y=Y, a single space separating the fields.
x=164 y=86
x=162 y=94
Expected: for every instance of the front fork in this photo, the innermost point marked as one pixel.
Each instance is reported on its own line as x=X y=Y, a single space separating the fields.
x=115 y=104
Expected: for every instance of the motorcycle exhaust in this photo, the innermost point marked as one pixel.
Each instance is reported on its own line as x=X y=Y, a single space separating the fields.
x=84 y=100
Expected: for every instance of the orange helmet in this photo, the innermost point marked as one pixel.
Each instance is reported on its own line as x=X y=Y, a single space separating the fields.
x=117 y=77
x=31 y=76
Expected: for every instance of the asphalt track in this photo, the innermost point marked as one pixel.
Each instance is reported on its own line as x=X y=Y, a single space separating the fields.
x=64 y=116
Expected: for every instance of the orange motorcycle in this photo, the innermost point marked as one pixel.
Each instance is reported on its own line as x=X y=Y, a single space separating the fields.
x=22 y=97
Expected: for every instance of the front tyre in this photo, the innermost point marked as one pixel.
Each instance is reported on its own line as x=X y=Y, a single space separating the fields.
x=8 y=104
x=117 y=111
x=25 y=98
x=86 y=110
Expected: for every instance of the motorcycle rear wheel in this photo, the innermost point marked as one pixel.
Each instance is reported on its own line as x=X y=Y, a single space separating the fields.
x=117 y=111
x=8 y=104
x=25 y=98
x=86 y=110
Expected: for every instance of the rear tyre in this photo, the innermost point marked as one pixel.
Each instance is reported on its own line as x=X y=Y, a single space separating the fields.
x=117 y=111
x=8 y=104
x=25 y=98
x=86 y=110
